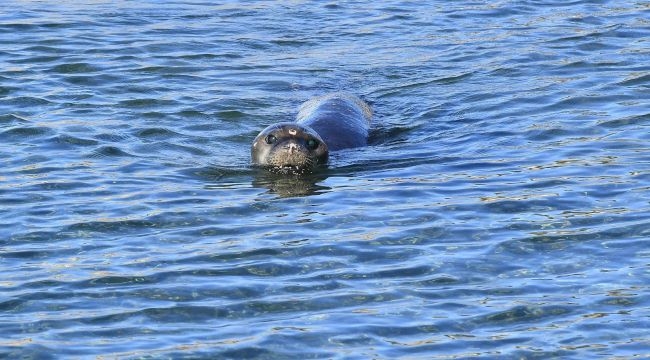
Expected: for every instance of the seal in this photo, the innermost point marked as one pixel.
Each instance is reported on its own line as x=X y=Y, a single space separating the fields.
x=326 y=123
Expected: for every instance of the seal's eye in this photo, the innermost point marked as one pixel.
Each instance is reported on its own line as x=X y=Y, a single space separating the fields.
x=270 y=139
x=312 y=144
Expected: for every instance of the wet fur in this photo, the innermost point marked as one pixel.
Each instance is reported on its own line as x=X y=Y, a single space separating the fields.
x=335 y=121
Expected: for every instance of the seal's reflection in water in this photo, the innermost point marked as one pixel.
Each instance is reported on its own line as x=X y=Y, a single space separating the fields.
x=287 y=185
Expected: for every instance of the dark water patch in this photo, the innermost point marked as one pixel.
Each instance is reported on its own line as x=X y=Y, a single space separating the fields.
x=288 y=186
x=18 y=26
x=178 y=314
x=146 y=103
x=600 y=33
x=39 y=284
x=61 y=185
x=12 y=119
x=524 y=314
x=569 y=66
x=76 y=101
x=622 y=302
x=6 y=90
x=328 y=286
x=596 y=46
x=208 y=56
x=195 y=114
x=219 y=176
x=25 y=132
x=38 y=49
x=11 y=305
x=109 y=281
x=529 y=205
x=26 y=349
x=72 y=140
x=121 y=226
x=57 y=25
x=154 y=115
x=75 y=68
x=31 y=255
x=234 y=270
x=156 y=133
x=166 y=147
x=113 y=136
x=549 y=184
x=560 y=237
x=168 y=70
x=26 y=101
x=35 y=59
x=90 y=80
x=587 y=19
x=415 y=271
x=40 y=165
x=34 y=237
x=12 y=198
x=439 y=281
x=231 y=115
x=636 y=80
x=226 y=257
x=109 y=151
x=323 y=303
x=641 y=120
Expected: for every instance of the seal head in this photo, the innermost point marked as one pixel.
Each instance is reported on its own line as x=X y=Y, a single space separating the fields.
x=289 y=148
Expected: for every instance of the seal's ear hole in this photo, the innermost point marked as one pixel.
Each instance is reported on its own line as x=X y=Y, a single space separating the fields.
x=270 y=139
x=312 y=144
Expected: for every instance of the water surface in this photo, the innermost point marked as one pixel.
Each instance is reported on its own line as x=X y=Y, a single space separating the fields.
x=502 y=208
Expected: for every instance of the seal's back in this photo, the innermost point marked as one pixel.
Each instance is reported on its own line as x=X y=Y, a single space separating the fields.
x=342 y=120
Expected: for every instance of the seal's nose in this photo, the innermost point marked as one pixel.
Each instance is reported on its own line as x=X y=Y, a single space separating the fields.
x=292 y=147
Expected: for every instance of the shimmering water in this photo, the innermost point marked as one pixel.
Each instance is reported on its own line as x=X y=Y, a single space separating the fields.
x=501 y=210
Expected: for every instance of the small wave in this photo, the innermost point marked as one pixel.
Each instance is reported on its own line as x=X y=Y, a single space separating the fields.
x=27 y=101
x=636 y=79
x=109 y=151
x=75 y=68
x=155 y=133
x=25 y=132
x=72 y=140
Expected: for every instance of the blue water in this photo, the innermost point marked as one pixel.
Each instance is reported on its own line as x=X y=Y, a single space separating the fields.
x=502 y=209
